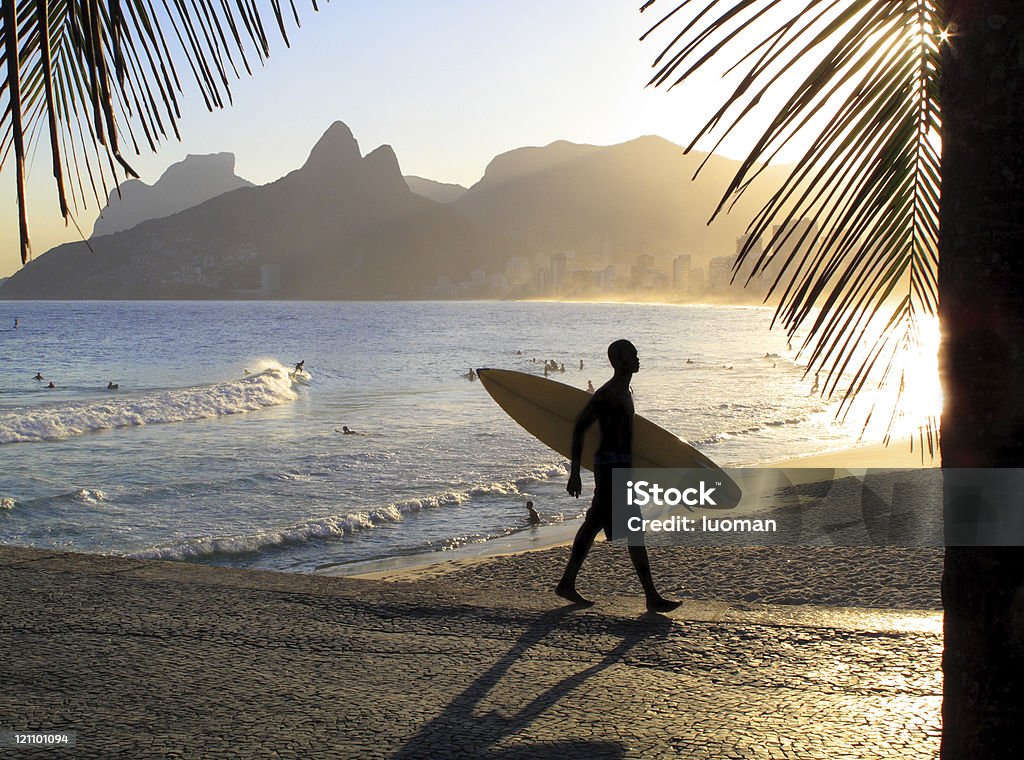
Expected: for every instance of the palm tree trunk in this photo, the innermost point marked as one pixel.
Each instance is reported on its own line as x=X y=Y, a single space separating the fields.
x=981 y=295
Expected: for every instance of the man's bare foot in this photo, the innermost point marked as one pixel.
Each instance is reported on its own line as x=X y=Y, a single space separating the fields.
x=570 y=593
x=661 y=604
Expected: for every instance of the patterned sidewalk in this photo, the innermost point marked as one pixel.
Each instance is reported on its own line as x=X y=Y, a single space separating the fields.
x=154 y=659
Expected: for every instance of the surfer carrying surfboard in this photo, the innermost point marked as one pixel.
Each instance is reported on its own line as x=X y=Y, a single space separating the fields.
x=612 y=408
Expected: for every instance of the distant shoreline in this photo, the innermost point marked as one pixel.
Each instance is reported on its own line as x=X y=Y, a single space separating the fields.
x=240 y=299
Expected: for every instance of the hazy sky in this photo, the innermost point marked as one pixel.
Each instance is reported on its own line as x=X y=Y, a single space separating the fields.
x=448 y=84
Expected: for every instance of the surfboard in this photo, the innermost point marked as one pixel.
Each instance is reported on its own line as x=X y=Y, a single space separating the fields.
x=548 y=410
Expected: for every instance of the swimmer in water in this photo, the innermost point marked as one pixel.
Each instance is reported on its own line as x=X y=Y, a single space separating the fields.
x=534 y=518
x=590 y=387
x=51 y=385
x=346 y=431
x=39 y=376
x=112 y=386
x=471 y=375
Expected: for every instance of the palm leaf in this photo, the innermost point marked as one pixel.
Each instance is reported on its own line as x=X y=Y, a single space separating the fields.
x=869 y=179
x=88 y=72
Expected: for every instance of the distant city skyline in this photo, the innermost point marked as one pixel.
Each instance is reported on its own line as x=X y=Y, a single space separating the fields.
x=449 y=85
x=615 y=274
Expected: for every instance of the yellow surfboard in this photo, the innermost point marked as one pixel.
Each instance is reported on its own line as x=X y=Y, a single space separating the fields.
x=548 y=410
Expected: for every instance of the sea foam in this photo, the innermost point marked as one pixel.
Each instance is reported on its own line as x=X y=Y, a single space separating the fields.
x=206 y=547
x=335 y=526
x=270 y=387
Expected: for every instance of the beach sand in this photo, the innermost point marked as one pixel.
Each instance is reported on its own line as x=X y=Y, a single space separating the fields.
x=777 y=652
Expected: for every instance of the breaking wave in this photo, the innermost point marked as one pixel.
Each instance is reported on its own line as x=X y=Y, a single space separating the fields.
x=336 y=526
x=270 y=387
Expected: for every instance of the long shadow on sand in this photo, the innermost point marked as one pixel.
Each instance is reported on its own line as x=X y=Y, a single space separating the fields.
x=458 y=730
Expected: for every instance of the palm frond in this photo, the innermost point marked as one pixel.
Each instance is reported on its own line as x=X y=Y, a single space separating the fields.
x=868 y=182
x=91 y=72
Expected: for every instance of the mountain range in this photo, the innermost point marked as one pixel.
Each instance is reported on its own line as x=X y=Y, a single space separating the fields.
x=348 y=226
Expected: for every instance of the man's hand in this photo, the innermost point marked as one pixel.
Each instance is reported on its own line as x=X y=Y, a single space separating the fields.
x=575 y=486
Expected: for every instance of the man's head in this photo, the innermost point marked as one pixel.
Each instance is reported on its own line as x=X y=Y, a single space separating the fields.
x=623 y=356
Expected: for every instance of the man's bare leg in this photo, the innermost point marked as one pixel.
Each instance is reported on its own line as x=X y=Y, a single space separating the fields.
x=566 y=587
x=642 y=562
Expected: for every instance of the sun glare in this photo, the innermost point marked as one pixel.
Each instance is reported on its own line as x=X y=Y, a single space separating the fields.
x=907 y=399
x=922 y=394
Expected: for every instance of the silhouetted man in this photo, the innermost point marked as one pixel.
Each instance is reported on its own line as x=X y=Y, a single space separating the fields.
x=612 y=408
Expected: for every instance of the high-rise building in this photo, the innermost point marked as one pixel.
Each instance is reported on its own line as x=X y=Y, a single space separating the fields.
x=559 y=267
x=543 y=280
x=758 y=285
x=681 y=268
x=791 y=240
x=720 y=274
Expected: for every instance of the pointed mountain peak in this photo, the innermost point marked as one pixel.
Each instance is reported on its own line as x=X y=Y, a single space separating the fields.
x=337 y=147
x=384 y=156
x=381 y=169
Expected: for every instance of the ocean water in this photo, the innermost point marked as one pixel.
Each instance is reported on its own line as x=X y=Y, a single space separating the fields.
x=193 y=459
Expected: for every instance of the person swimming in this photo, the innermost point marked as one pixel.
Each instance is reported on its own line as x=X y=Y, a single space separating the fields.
x=345 y=429
x=51 y=385
x=39 y=376
x=471 y=375
x=112 y=386
x=534 y=518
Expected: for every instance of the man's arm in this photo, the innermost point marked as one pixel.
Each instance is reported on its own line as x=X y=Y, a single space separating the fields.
x=587 y=418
